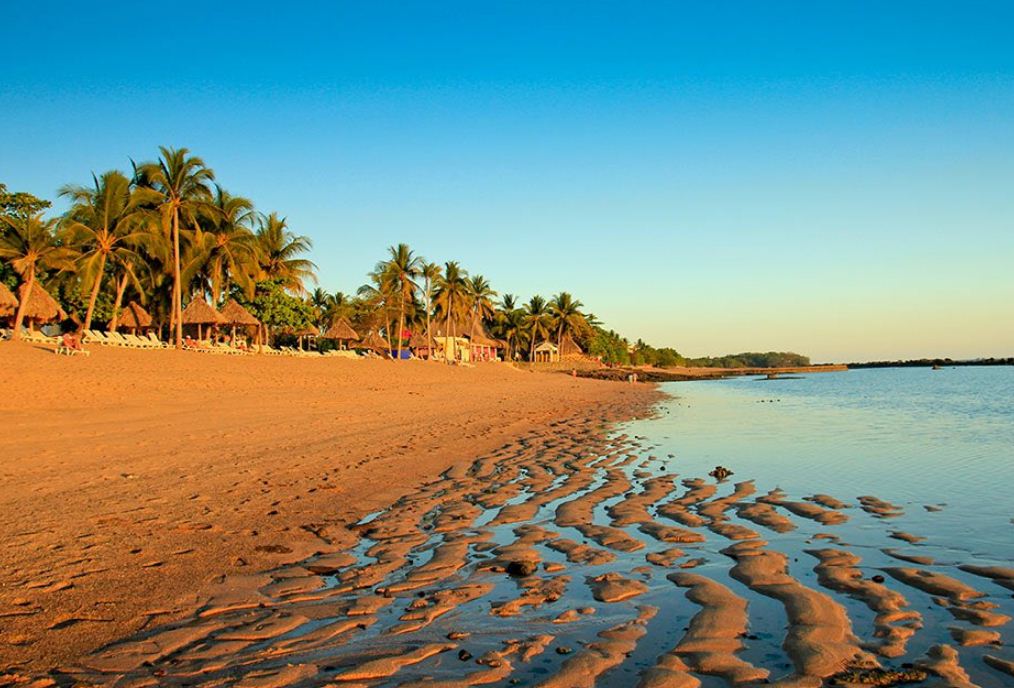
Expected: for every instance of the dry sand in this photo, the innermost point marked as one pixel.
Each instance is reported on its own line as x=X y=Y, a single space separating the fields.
x=133 y=482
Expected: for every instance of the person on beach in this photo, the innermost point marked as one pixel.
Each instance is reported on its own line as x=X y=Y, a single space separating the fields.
x=72 y=341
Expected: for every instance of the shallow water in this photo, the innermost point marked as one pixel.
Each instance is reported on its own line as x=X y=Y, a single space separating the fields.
x=910 y=437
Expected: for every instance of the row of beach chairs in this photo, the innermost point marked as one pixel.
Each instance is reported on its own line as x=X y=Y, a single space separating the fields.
x=129 y=341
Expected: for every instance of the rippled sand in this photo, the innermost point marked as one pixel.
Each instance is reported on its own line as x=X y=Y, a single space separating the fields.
x=574 y=558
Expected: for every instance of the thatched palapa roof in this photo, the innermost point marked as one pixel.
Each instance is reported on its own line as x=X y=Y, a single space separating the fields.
x=198 y=312
x=40 y=306
x=8 y=301
x=479 y=335
x=234 y=314
x=419 y=341
x=307 y=331
x=568 y=347
x=341 y=330
x=373 y=341
x=133 y=317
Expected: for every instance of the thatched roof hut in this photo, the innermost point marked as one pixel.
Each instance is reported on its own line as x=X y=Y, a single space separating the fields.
x=199 y=312
x=373 y=341
x=306 y=331
x=480 y=337
x=569 y=348
x=133 y=317
x=341 y=330
x=234 y=314
x=40 y=306
x=8 y=301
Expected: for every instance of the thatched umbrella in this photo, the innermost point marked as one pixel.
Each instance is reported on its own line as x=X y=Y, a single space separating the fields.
x=373 y=341
x=569 y=348
x=133 y=317
x=8 y=302
x=199 y=312
x=304 y=332
x=40 y=307
x=235 y=315
x=341 y=331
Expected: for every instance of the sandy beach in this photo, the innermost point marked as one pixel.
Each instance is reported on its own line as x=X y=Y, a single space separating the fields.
x=134 y=483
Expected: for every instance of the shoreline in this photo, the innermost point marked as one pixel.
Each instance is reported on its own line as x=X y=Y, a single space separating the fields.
x=162 y=473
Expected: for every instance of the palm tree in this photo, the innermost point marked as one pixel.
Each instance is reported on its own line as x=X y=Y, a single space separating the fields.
x=106 y=226
x=451 y=295
x=537 y=322
x=178 y=185
x=429 y=272
x=481 y=294
x=509 y=322
x=30 y=244
x=401 y=269
x=567 y=317
x=279 y=251
x=230 y=246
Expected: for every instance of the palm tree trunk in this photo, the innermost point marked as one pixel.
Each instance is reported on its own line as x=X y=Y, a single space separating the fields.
x=448 y=337
x=401 y=326
x=531 y=349
x=177 y=286
x=19 y=319
x=120 y=288
x=429 y=328
x=95 y=293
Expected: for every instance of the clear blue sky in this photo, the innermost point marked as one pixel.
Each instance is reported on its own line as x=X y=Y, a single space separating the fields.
x=835 y=178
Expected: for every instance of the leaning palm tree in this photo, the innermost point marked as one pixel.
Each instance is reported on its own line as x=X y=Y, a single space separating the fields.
x=28 y=245
x=451 y=295
x=105 y=225
x=537 y=321
x=280 y=251
x=481 y=295
x=178 y=185
x=429 y=272
x=402 y=268
x=567 y=316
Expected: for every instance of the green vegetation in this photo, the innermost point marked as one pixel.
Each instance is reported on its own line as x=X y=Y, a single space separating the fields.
x=168 y=233
x=771 y=359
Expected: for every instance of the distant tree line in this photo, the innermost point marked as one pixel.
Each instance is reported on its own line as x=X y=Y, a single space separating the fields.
x=930 y=362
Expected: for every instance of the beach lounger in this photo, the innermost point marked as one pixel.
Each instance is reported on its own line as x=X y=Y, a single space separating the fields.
x=62 y=350
x=137 y=342
x=158 y=343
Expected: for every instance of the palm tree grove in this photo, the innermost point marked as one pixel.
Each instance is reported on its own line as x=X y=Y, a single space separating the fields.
x=168 y=233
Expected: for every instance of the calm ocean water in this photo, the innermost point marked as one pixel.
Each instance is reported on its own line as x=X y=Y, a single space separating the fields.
x=908 y=435
x=914 y=437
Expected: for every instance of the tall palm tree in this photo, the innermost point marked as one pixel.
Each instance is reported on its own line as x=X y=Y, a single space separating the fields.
x=280 y=251
x=30 y=244
x=402 y=268
x=508 y=323
x=230 y=247
x=429 y=272
x=105 y=225
x=537 y=322
x=567 y=316
x=451 y=295
x=178 y=184
x=481 y=295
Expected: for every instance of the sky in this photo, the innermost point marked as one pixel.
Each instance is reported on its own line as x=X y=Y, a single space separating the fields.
x=832 y=178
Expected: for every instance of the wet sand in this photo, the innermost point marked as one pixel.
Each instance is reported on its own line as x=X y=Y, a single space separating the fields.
x=134 y=483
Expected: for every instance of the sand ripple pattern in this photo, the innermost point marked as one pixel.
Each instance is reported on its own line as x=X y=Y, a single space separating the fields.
x=577 y=558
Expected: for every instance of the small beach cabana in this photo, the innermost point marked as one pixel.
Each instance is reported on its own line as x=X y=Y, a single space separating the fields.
x=547 y=352
x=341 y=331
x=198 y=312
x=373 y=342
x=133 y=318
x=8 y=302
x=481 y=346
x=234 y=315
x=40 y=307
